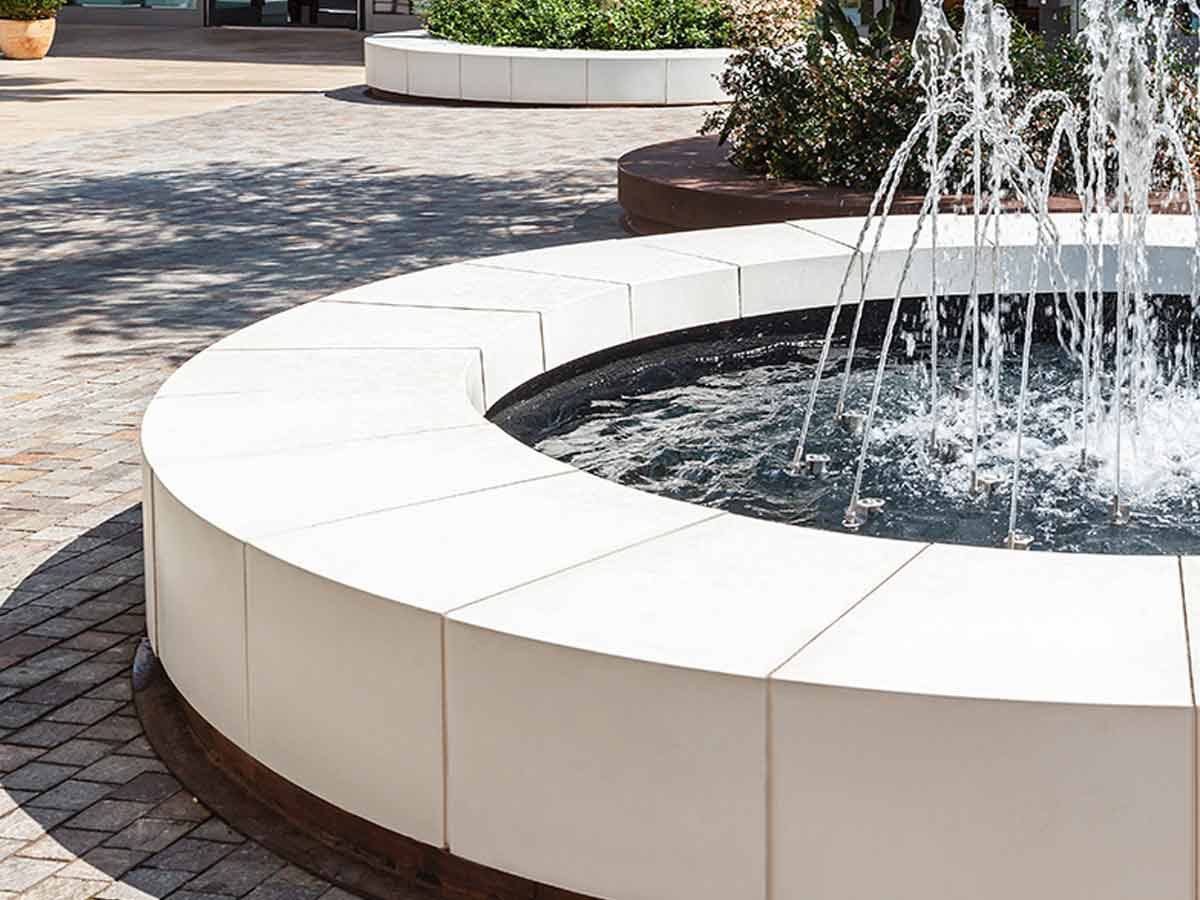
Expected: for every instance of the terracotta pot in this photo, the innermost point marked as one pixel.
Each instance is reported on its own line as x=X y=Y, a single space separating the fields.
x=21 y=39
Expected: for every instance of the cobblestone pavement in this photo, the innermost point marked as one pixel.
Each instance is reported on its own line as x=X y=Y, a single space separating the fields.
x=122 y=254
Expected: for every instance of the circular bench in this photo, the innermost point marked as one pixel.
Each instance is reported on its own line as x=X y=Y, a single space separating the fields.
x=411 y=63
x=375 y=593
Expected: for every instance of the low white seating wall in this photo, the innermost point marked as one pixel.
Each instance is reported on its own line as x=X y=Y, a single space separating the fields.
x=415 y=64
x=385 y=599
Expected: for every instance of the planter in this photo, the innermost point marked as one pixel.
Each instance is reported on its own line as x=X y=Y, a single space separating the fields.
x=413 y=64
x=689 y=183
x=26 y=39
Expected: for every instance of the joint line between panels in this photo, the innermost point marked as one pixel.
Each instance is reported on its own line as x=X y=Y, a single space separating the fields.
x=1195 y=733
x=316 y=445
x=704 y=256
x=400 y=506
x=1187 y=634
x=768 y=789
x=724 y=263
x=847 y=611
x=587 y=562
x=629 y=304
x=384 y=304
x=445 y=745
x=768 y=755
x=811 y=233
x=487 y=263
x=152 y=542
x=246 y=638
x=483 y=386
x=542 y=339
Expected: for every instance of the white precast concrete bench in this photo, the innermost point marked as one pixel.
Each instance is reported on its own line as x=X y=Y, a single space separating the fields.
x=414 y=64
x=379 y=595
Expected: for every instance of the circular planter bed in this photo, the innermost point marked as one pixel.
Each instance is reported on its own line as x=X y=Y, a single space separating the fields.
x=689 y=183
x=413 y=64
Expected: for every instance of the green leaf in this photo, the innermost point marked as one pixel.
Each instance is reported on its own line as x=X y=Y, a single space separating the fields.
x=837 y=23
x=881 y=29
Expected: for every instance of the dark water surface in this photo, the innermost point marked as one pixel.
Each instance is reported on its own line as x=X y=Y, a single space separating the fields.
x=715 y=422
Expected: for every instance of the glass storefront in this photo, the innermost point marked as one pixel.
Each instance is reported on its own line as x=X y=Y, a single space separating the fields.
x=321 y=13
x=142 y=4
x=308 y=13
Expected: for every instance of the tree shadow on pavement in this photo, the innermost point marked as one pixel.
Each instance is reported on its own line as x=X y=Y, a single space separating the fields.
x=84 y=799
x=147 y=258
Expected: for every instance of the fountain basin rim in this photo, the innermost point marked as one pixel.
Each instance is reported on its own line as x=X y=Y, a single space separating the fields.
x=327 y=475
x=491 y=378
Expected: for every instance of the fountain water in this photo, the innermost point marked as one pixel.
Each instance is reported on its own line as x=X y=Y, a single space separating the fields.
x=1019 y=381
x=1126 y=376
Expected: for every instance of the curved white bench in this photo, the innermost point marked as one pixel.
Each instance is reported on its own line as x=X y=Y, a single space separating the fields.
x=415 y=64
x=382 y=597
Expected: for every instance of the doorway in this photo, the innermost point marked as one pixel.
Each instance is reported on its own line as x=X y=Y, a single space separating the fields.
x=287 y=13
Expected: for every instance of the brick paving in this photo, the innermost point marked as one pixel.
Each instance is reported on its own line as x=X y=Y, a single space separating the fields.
x=123 y=253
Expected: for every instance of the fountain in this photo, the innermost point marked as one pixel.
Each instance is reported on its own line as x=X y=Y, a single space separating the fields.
x=1115 y=426
x=477 y=667
x=1132 y=118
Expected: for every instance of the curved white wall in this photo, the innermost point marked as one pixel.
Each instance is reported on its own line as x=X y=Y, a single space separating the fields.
x=415 y=64
x=390 y=602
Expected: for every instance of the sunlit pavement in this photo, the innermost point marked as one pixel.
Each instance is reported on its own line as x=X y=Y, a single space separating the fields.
x=135 y=229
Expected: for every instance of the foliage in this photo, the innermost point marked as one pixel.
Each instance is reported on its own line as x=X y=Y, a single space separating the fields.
x=820 y=111
x=769 y=23
x=581 y=24
x=1064 y=67
x=831 y=26
x=29 y=9
x=834 y=110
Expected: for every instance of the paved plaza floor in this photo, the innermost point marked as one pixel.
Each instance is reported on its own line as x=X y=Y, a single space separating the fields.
x=158 y=190
x=109 y=78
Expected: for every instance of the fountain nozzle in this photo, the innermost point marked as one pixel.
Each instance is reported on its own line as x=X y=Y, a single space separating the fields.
x=948 y=451
x=1118 y=512
x=1018 y=540
x=815 y=464
x=986 y=483
x=862 y=509
x=872 y=506
x=852 y=421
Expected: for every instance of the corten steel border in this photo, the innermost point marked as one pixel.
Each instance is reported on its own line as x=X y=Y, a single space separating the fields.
x=688 y=183
x=338 y=846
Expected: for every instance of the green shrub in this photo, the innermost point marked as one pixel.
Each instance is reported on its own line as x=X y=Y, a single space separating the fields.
x=835 y=121
x=769 y=23
x=580 y=24
x=29 y=9
x=833 y=111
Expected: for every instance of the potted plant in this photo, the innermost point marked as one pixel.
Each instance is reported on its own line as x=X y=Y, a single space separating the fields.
x=27 y=27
